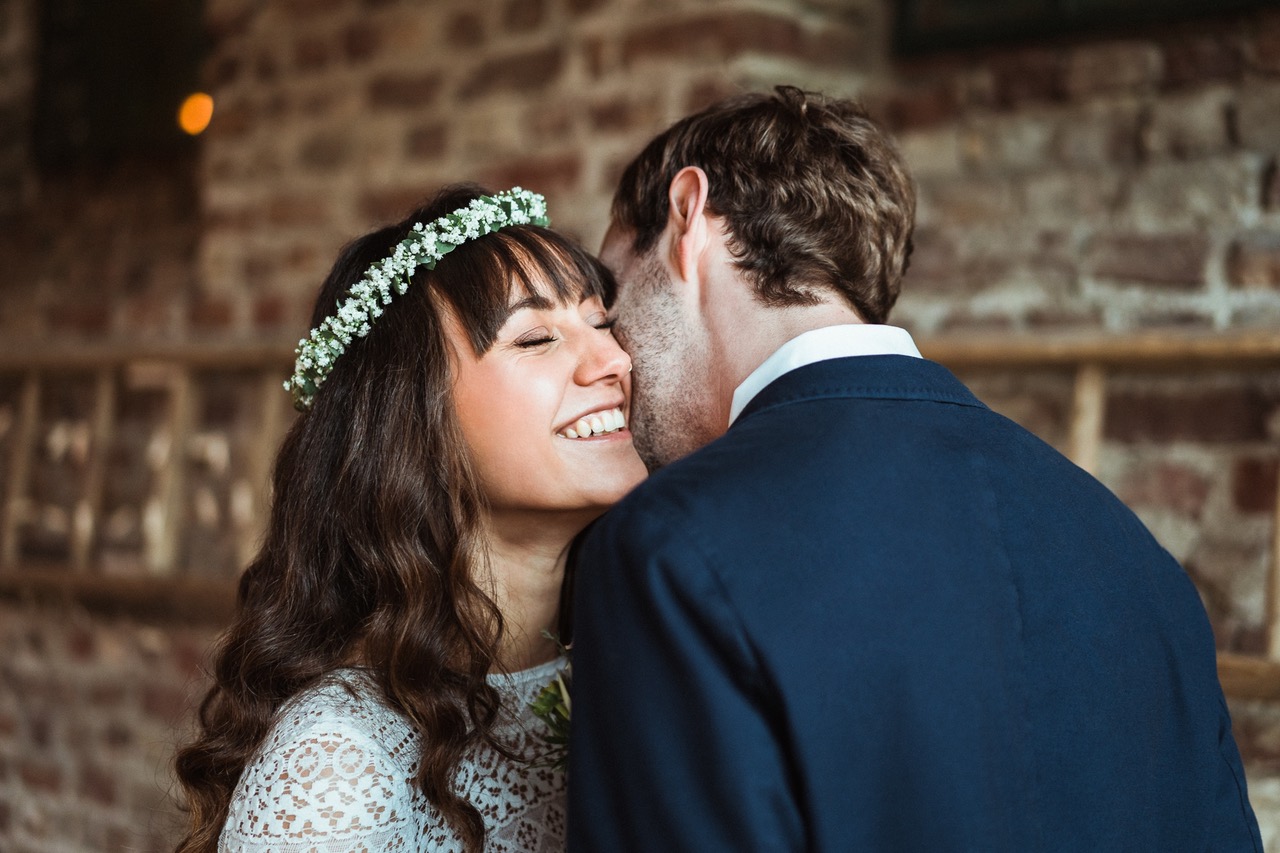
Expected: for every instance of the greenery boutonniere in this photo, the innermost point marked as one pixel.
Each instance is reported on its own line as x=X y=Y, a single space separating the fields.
x=553 y=706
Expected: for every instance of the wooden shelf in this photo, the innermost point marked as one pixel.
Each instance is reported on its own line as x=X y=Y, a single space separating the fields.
x=1245 y=677
x=1163 y=350
x=190 y=601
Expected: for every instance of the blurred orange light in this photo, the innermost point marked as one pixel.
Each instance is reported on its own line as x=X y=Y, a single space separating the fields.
x=195 y=113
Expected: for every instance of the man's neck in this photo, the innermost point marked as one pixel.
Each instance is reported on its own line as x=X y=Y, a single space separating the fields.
x=745 y=337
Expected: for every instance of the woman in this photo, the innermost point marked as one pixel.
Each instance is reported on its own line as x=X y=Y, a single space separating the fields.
x=463 y=421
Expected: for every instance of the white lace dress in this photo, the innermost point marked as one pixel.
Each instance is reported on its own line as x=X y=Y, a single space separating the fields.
x=334 y=775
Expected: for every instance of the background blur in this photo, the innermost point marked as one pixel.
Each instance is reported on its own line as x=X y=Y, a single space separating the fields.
x=1098 y=253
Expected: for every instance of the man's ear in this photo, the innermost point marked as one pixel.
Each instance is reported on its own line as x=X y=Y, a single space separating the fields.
x=687 y=219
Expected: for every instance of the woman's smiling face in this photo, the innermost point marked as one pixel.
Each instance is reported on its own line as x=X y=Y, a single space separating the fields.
x=543 y=410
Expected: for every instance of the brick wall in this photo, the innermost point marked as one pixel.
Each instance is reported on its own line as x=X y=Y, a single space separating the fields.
x=17 y=80
x=1121 y=184
x=91 y=709
x=333 y=116
x=1112 y=183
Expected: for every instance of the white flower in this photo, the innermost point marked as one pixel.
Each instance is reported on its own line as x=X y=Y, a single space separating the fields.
x=363 y=302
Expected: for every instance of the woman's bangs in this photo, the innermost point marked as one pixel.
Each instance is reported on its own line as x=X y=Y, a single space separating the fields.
x=538 y=265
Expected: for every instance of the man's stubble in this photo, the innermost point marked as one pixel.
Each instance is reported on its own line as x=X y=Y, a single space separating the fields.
x=670 y=398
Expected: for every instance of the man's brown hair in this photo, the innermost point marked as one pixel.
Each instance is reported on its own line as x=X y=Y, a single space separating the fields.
x=814 y=193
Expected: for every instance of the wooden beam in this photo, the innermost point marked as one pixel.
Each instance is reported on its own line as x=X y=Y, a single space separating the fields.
x=15 y=498
x=1088 y=409
x=1164 y=349
x=85 y=519
x=166 y=510
x=202 y=356
x=1249 y=677
x=190 y=601
x=1273 y=583
x=1156 y=350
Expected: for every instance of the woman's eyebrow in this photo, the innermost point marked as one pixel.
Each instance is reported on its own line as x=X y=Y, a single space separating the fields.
x=535 y=301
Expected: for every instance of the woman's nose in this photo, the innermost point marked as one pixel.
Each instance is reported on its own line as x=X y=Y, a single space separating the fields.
x=603 y=359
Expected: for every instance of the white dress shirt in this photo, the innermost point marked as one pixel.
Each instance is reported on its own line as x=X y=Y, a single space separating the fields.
x=819 y=345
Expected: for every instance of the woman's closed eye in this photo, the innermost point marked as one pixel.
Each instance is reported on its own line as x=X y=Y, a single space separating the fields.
x=535 y=338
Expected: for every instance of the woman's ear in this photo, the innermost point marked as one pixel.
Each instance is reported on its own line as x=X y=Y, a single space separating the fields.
x=687 y=219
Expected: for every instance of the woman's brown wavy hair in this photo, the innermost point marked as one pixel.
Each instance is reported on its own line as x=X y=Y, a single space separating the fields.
x=375 y=551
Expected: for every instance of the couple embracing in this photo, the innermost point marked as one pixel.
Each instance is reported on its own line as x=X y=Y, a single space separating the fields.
x=849 y=608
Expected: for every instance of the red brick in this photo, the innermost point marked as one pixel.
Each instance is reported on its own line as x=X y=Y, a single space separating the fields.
x=106 y=695
x=223 y=72
x=1095 y=69
x=1254 y=262
x=1167 y=486
x=933 y=262
x=516 y=72
x=1264 y=51
x=190 y=656
x=523 y=15
x=1195 y=60
x=968 y=201
x=268 y=312
x=1064 y=317
x=164 y=702
x=704 y=93
x=1028 y=77
x=465 y=29
x=87 y=318
x=724 y=35
x=427 y=142
x=1206 y=415
x=41 y=777
x=1253 y=484
x=81 y=644
x=1258 y=117
x=964 y=320
x=391 y=204
x=326 y=152
x=307 y=9
x=267 y=68
x=920 y=107
x=230 y=121
x=117 y=735
x=594 y=54
x=404 y=91
x=310 y=54
x=361 y=41
x=298 y=210
x=622 y=114
x=549 y=174
x=1172 y=260
x=223 y=22
x=97 y=785
x=209 y=314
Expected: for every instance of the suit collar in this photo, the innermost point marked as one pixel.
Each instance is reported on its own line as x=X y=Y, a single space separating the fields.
x=884 y=377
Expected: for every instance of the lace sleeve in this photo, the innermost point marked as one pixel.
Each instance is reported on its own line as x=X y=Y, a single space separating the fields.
x=323 y=782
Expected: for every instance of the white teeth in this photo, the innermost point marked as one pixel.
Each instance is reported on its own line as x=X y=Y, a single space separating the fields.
x=598 y=423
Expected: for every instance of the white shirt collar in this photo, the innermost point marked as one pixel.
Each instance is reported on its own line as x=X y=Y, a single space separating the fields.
x=819 y=345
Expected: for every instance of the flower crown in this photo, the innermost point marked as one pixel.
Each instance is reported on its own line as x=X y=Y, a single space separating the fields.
x=424 y=247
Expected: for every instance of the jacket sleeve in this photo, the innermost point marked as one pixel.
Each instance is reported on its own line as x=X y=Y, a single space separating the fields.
x=675 y=742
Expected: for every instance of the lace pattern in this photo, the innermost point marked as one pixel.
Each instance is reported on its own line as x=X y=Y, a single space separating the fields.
x=335 y=774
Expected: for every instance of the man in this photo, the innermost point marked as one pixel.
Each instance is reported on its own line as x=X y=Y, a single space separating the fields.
x=854 y=609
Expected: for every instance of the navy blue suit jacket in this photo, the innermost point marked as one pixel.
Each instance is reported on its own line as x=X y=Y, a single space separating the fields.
x=877 y=616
